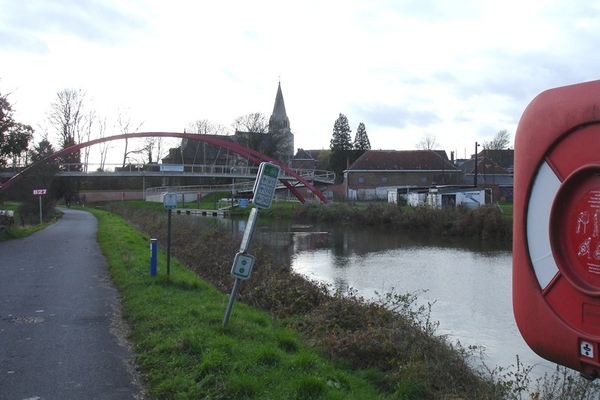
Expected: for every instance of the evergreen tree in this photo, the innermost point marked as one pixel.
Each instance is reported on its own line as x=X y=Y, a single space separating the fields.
x=361 y=140
x=341 y=139
x=41 y=150
x=14 y=136
x=341 y=147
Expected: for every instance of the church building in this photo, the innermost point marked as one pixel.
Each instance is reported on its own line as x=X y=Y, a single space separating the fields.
x=276 y=141
x=279 y=121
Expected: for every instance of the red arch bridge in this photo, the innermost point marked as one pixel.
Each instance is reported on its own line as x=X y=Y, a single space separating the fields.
x=291 y=179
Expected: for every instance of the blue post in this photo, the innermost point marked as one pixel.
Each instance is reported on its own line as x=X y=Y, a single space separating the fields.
x=153 y=257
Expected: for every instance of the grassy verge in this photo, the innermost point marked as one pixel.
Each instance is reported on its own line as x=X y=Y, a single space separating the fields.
x=183 y=349
x=305 y=343
x=16 y=231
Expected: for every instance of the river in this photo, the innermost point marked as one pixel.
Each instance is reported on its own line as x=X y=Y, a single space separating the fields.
x=467 y=282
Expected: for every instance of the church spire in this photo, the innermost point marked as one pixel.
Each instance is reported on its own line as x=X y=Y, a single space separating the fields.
x=279 y=118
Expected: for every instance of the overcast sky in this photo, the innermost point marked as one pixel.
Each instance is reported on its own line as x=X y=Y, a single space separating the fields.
x=459 y=70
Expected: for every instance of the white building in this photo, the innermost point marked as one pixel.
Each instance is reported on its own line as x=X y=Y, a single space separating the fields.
x=439 y=197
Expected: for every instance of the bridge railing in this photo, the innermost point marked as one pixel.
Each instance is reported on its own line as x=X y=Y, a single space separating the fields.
x=183 y=168
x=218 y=170
x=188 y=189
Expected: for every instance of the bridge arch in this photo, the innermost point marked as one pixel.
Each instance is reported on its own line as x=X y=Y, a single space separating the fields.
x=245 y=152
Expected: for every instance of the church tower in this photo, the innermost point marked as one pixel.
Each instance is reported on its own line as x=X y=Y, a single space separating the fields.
x=279 y=124
x=279 y=118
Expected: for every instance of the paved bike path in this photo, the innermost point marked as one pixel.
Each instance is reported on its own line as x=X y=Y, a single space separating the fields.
x=60 y=332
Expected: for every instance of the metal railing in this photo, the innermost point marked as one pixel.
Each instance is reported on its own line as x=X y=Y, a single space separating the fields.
x=234 y=171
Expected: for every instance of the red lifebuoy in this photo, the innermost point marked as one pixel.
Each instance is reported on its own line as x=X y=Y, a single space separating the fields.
x=556 y=235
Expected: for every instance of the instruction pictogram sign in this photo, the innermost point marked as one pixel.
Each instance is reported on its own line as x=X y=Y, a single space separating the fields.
x=242 y=266
x=264 y=187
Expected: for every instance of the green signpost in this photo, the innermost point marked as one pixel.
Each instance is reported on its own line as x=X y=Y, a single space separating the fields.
x=264 y=187
x=264 y=190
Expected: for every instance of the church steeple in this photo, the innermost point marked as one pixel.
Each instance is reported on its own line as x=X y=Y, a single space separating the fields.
x=279 y=118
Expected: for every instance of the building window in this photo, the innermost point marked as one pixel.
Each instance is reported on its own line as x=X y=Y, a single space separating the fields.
x=361 y=179
x=423 y=179
x=384 y=179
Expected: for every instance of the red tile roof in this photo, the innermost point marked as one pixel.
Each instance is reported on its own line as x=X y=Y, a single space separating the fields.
x=401 y=160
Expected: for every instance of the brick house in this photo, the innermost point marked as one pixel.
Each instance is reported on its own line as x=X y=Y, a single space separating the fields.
x=376 y=171
x=494 y=170
x=307 y=159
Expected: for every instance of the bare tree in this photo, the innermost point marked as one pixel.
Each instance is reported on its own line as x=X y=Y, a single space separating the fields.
x=160 y=146
x=205 y=127
x=500 y=141
x=126 y=126
x=254 y=122
x=150 y=152
x=251 y=130
x=66 y=115
x=85 y=136
x=428 y=142
x=104 y=146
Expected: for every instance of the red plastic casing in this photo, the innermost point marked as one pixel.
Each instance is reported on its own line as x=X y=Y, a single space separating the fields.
x=556 y=236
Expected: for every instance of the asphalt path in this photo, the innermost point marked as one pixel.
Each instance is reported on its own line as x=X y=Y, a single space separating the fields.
x=61 y=335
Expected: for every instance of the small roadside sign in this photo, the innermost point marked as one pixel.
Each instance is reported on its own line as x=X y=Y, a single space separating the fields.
x=242 y=266
x=40 y=193
x=170 y=201
x=264 y=187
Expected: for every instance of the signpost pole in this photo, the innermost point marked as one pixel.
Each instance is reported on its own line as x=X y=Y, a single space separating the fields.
x=40 y=193
x=169 y=202
x=169 y=243
x=231 y=300
x=41 y=213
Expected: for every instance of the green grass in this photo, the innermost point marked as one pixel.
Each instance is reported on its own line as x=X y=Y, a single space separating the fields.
x=17 y=231
x=507 y=209
x=184 y=351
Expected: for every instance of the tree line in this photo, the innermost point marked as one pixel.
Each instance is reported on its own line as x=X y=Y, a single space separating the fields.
x=71 y=119
x=500 y=141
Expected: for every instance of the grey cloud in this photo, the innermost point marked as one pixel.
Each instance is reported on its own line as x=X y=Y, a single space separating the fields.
x=393 y=116
x=522 y=76
x=24 y=22
x=15 y=41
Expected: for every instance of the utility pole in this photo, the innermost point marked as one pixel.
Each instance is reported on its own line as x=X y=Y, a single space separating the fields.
x=475 y=177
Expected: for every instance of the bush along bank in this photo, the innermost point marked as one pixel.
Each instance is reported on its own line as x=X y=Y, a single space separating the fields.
x=392 y=342
x=487 y=223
